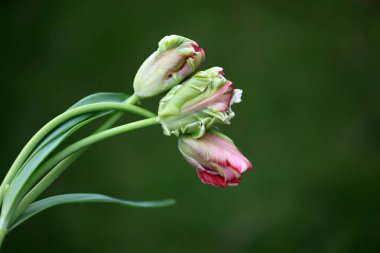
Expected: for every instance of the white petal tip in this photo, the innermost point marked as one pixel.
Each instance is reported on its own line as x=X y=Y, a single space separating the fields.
x=236 y=98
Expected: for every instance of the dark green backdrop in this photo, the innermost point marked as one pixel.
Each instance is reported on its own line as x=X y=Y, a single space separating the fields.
x=309 y=121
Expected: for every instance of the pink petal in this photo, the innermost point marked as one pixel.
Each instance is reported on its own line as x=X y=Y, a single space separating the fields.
x=216 y=180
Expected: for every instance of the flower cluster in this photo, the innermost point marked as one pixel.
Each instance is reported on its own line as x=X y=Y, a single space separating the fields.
x=196 y=101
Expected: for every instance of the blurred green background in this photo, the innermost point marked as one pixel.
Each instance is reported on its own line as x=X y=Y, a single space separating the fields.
x=309 y=121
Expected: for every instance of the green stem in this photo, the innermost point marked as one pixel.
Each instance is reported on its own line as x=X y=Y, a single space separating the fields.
x=116 y=116
x=54 y=173
x=56 y=122
x=47 y=180
x=3 y=233
x=132 y=100
x=96 y=138
x=13 y=194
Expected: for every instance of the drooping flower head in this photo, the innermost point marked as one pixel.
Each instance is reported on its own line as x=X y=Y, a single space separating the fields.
x=175 y=59
x=215 y=157
x=199 y=102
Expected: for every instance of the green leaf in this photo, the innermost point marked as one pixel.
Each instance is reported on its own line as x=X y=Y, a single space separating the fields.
x=61 y=133
x=92 y=99
x=57 y=136
x=44 y=204
x=101 y=97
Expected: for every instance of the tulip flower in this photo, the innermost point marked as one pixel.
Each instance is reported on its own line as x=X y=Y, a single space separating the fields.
x=215 y=157
x=198 y=103
x=175 y=59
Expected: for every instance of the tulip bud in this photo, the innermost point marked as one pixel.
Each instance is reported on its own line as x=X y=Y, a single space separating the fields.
x=176 y=58
x=215 y=157
x=195 y=105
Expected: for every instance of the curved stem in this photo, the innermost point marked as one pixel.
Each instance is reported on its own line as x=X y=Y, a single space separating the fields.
x=116 y=116
x=3 y=233
x=96 y=138
x=13 y=194
x=47 y=180
x=132 y=99
x=56 y=122
x=58 y=169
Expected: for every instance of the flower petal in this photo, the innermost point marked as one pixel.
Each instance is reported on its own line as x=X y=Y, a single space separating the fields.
x=216 y=180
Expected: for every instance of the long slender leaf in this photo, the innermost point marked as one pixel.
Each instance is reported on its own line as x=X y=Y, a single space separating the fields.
x=101 y=97
x=44 y=204
x=94 y=98
x=58 y=135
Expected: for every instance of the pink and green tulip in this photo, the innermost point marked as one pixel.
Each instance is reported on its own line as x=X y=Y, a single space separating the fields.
x=175 y=59
x=215 y=157
x=198 y=103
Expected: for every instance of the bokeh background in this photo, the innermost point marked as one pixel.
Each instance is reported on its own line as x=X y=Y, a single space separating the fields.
x=309 y=121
